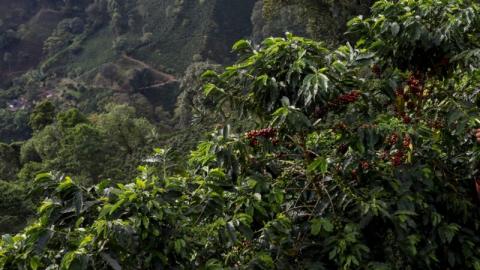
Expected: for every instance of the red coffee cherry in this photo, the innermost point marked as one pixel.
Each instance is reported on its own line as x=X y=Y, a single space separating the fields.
x=399 y=92
x=415 y=85
x=406 y=119
x=266 y=133
x=406 y=141
x=397 y=158
x=365 y=165
x=392 y=139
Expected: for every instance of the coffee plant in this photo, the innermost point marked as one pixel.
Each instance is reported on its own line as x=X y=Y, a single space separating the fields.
x=361 y=157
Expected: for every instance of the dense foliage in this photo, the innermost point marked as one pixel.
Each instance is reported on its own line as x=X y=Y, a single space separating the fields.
x=357 y=158
x=108 y=145
x=316 y=18
x=15 y=205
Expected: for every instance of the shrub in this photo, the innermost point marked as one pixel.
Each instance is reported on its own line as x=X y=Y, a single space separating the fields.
x=42 y=115
x=344 y=159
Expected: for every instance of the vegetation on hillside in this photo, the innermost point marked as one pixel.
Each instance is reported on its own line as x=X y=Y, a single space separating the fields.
x=88 y=53
x=79 y=146
x=105 y=146
x=360 y=157
x=319 y=19
x=91 y=54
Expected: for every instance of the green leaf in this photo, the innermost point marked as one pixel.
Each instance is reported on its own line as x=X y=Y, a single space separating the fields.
x=67 y=260
x=265 y=261
x=209 y=74
x=320 y=164
x=43 y=177
x=78 y=200
x=242 y=45
x=116 y=206
x=251 y=183
x=324 y=81
x=179 y=245
x=140 y=184
x=319 y=224
x=395 y=28
x=46 y=205
x=279 y=196
x=35 y=263
x=208 y=88
x=476 y=264
x=339 y=66
x=262 y=80
x=65 y=184
x=448 y=231
x=86 y=241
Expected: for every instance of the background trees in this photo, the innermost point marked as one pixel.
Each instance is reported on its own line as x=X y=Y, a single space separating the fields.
x=192 y=103
x=43 y=115
x=15 y=206
x=9 y=161
x=72 y=143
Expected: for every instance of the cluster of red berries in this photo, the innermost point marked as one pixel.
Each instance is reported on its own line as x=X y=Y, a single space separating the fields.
x=365 y=165
x=410 y=98
x=397 y=158
x=266 y=133
x=338 y=103
x=392 y=139
x=347 y=98
x=399 y=92
x=436 y=124
x=407 y=141
x=404 y=116
x=415 y=85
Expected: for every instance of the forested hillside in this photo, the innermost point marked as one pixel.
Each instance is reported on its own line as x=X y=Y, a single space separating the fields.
x=88 y=53
x=127 y=71
x=182 y=135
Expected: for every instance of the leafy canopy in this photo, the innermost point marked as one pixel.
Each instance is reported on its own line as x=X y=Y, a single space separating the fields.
x=360 y=158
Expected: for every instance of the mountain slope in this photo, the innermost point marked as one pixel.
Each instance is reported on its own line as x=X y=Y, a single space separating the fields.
x=73 y=52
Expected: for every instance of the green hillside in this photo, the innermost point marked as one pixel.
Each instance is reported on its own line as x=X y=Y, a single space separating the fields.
x=75 y=60
x=359 y=151
x=79 y=41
